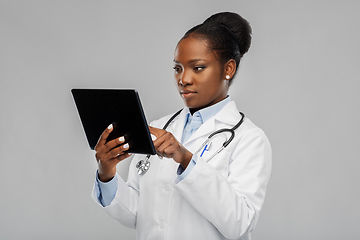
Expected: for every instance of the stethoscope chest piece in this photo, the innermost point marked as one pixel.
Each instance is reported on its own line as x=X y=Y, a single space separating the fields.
x=143 y=166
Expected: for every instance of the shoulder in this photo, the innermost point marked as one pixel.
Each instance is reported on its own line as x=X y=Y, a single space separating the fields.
x=252 y=139
x=248 y=129
x=249 y=126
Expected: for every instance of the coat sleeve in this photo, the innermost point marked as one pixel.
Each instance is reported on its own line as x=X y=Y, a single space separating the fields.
x=232 y=204
x=125 y=204
x=124 y=207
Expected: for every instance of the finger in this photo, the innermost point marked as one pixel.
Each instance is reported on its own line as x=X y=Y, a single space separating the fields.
x=157 y=131
x=161 y=147
x=98 y=156
x=158 y=143
x=169 y=151
x=113 y=144
x=103 y=153
x=102 y=140
x=120 y=157
x=163 y=143
x=115 y=152
x=164 y=138
x=170 y=148
x=123 y=156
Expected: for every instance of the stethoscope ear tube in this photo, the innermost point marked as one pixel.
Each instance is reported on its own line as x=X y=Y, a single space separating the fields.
x=240 y=122
x=172 y=118
x=233 y=130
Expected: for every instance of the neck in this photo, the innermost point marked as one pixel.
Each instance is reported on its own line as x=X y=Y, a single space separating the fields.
x=193 y=110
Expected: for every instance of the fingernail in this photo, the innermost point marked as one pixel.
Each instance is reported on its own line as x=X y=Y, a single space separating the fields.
x=153 y=137
x=126 y=145
x=121 y=139
x=110 y=126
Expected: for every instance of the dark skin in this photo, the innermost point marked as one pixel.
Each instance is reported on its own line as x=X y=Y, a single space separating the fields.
x=203 y=83
x=109 y=154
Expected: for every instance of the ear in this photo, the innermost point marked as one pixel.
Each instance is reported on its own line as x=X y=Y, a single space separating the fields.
x=229 y=69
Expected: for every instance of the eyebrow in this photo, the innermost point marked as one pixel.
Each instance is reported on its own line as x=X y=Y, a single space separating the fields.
x=192 y=60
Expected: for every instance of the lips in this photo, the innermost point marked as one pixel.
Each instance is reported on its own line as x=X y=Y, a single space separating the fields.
x=187 y=93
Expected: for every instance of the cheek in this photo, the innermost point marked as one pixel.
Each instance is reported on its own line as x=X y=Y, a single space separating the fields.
x=210 y=82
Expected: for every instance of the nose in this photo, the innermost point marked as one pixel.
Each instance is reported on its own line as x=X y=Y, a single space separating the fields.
x=185 y=78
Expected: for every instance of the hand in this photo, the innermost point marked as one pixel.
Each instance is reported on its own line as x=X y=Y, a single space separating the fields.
x=109 y=154
x=166 y=145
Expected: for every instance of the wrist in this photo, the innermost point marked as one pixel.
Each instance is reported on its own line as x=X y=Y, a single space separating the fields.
x=186 y=160
x=105 y=177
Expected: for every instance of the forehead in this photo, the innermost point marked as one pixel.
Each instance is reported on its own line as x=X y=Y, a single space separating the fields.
x=191 y=48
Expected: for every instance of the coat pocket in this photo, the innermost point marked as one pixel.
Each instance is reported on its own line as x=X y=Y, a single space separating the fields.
x=219 y=161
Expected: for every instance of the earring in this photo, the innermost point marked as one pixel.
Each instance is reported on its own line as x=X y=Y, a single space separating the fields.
x=227 y=77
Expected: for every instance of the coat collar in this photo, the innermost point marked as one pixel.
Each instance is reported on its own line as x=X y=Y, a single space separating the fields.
x=177 y=125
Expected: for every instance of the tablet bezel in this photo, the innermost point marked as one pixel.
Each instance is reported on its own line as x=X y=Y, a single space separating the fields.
x=98 y=108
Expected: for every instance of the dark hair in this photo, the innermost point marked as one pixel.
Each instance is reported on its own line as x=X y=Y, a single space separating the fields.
x=228 y=34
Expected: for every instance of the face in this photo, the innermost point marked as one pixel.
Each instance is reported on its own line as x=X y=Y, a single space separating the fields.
x=202 y=76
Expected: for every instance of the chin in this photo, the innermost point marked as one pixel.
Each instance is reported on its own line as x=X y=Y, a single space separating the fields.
x=189 y=103
x=194 y=106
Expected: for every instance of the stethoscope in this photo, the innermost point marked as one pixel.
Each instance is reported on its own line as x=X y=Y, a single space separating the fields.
x=144 y=165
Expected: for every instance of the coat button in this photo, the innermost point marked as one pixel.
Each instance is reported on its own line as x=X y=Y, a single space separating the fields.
x=190 y=181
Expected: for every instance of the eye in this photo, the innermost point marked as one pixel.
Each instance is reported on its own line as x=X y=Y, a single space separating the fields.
x=177 y=69
x=199 y=68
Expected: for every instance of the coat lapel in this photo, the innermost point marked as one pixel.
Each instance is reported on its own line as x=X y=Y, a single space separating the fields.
x=177 y=125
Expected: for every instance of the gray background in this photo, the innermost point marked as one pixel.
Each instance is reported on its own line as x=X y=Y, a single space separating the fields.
x=299 y=82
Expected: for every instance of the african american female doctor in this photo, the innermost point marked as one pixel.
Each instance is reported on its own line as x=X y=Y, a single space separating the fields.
x=184 y=195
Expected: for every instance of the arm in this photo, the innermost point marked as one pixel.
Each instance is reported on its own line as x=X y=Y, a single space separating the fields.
x=232 y=204
x=122 y=201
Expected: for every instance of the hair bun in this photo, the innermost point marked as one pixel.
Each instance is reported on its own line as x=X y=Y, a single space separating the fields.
x=238 y=26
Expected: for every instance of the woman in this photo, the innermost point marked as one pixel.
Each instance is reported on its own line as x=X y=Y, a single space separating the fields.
x=186 y=195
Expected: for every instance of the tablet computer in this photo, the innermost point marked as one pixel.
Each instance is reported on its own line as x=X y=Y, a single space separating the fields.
x=98 y=108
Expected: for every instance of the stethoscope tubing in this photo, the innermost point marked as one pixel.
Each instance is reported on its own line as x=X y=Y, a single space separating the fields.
x=143 y=165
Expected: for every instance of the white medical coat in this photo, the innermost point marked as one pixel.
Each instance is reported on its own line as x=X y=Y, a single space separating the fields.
x=219 y=199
